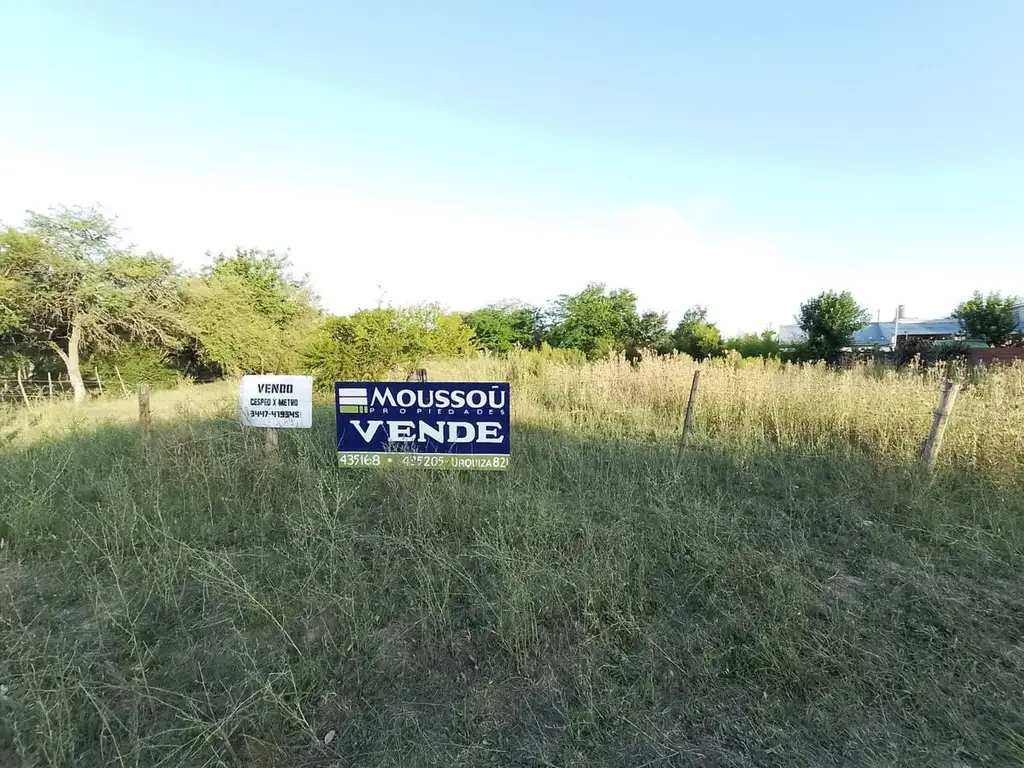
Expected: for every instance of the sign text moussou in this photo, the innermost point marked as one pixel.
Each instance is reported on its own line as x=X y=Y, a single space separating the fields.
x=423 y=425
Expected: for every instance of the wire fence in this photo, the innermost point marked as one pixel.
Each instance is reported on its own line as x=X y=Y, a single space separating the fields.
x=34 y=390
x=809 y=411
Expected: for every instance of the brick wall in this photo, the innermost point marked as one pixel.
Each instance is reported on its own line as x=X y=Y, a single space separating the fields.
x=995 y=355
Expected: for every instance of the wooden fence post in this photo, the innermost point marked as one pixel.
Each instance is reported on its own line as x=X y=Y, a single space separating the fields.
x=930 y=447
x=271 y=445
x=21 y=386
x=690 y=406
x=49 y=383
x=145 y=417
x=124 y=389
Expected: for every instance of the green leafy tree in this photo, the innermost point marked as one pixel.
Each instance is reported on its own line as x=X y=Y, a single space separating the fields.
x=247 y=314
x=829 y=321
x=10 y=318
x=271 y=288
x=228 y=334
x=593 y=321
x=436 y=333
x=501 y=328
x=374 y=343
x=650 y=331
x=72 y=287
x=366 y=345
x=992 y=318
x=764 y=344
x=696 y=336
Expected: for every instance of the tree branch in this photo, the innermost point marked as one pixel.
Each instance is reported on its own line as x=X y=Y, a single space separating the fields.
x=60 y=352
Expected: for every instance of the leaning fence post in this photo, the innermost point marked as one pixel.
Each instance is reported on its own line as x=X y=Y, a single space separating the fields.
x=688 y=419
x=145 y=417
x=120 y=378
x=931 y=445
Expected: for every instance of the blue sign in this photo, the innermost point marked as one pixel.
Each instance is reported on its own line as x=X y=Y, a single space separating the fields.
x=435 y=425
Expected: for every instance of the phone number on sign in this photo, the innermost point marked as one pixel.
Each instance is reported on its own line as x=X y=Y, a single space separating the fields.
x=422 y=460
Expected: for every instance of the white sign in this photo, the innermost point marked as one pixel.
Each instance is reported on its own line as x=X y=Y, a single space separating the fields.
x=276 y=402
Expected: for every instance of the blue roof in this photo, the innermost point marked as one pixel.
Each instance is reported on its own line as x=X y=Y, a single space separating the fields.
x=880 y=334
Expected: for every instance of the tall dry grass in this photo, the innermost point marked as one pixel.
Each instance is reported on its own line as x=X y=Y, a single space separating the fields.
x=790 y=591
x=749 y=405
x=742 y=405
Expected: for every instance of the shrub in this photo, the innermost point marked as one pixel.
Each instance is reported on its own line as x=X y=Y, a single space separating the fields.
x=796 y=352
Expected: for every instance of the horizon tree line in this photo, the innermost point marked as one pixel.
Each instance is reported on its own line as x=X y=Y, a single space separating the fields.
x=77 y=302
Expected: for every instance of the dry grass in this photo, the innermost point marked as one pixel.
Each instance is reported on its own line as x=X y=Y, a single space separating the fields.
x=750 y=405
x=792 y=592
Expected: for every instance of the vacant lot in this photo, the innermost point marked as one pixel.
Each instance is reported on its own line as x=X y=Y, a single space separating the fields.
x=791 y=591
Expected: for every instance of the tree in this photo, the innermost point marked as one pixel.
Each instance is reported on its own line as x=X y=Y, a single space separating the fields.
x=437 y=333
x=76 y=289
x=991 y=318
x=593 y=321
x=372 y=343
x=247 y=314
x=696 y=336
x=501 y=328
x=829 y=321
x=650 y=331
x=364 y=346
x=9 y=316
x=270 y=287
x=763 y=345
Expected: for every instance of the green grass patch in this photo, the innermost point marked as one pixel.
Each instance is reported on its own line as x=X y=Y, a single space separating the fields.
x=185 y=599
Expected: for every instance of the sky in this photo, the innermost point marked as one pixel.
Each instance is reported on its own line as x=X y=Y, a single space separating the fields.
x=742 y=154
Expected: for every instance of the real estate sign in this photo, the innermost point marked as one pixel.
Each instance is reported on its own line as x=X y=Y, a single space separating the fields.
x=276 y=402
x=423 y=425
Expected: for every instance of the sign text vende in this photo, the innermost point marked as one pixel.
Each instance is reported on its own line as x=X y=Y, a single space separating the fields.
x=445 y=420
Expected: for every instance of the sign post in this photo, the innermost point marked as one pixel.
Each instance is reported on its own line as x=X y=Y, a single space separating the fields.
x=422 y=425
x=274 y=402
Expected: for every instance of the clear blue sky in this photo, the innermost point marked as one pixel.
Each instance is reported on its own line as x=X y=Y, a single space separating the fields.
x=863 y=131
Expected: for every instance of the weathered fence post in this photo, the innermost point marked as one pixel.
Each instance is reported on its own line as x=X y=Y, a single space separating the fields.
x=21 y=386
x=120 y=378
x=933 y=443
x=99 y=383
x=49 y=383
x=690 y=406
x=145 y=417
x=271 y=445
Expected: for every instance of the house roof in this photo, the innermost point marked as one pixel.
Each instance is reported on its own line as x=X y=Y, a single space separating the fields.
x=880 y=334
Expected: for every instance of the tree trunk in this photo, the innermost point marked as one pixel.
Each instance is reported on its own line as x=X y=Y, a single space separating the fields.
x=70 y=359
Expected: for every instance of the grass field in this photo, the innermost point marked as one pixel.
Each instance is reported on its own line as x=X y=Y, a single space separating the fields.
x=791 y=591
